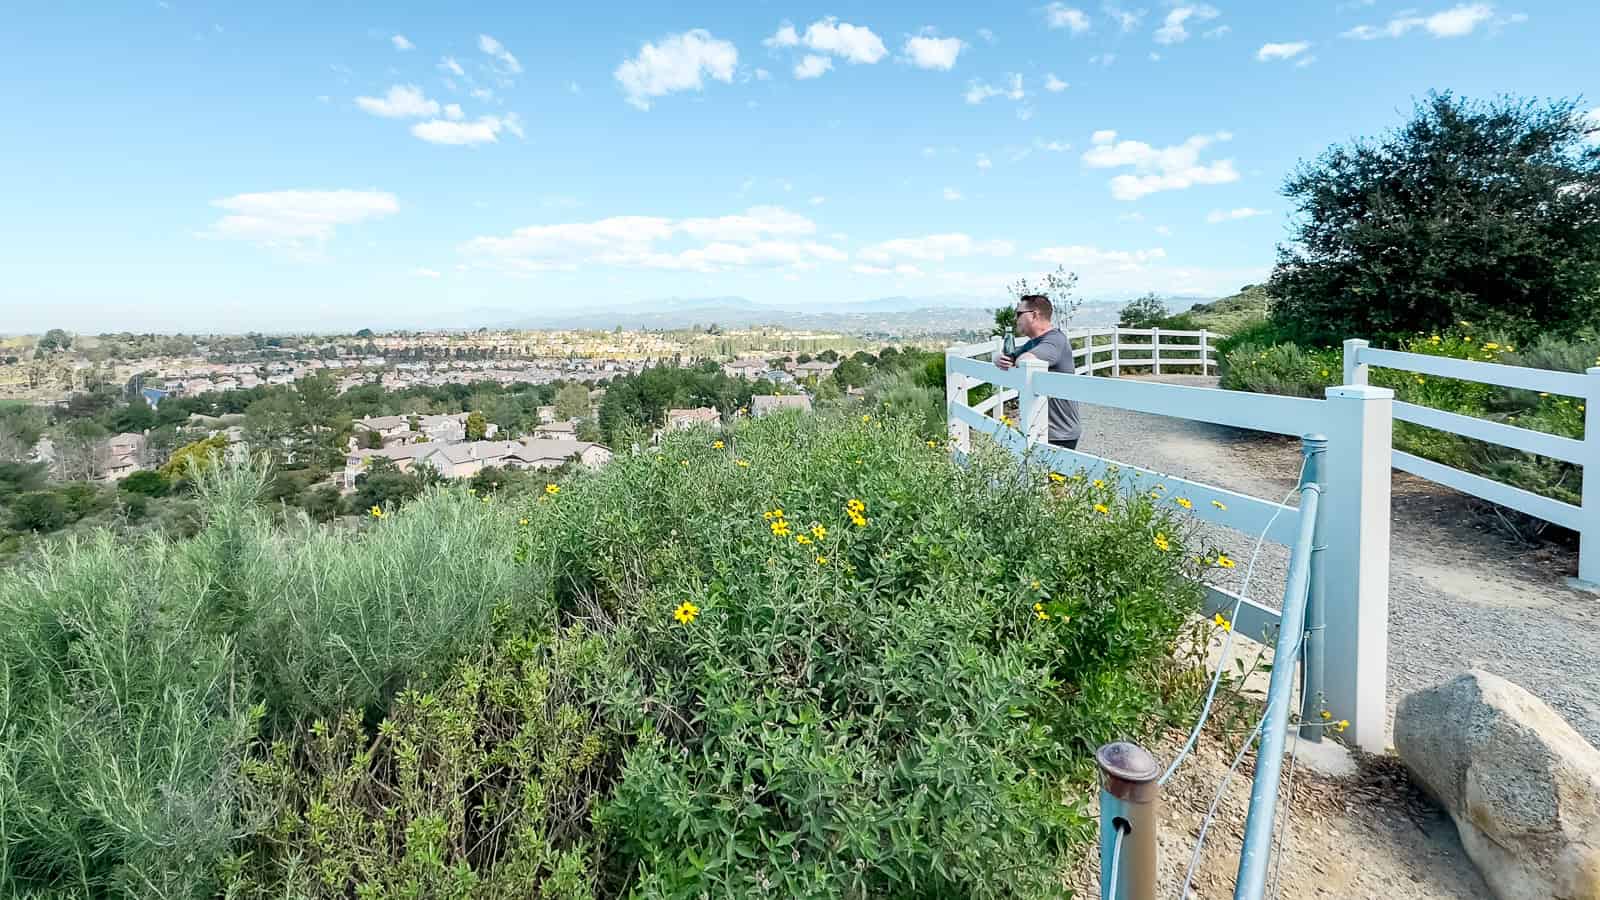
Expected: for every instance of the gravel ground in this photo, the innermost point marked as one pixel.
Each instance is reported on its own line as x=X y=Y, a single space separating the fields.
x=1459 y=596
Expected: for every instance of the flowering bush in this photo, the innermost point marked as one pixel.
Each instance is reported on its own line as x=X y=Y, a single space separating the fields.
x=816 y=659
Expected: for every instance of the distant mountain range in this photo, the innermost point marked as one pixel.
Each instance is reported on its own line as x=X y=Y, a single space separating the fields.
x=900 y=315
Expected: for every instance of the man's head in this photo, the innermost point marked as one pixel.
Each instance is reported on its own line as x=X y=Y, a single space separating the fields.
x=1033 y=315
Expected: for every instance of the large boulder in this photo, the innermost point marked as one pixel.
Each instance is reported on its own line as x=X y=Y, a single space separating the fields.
x=1521 y=784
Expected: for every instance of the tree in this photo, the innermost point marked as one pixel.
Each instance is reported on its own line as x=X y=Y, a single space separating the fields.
x=201 y=455
x=148 y=482
x=1143 y=312
x=19 y=477
x=371 y=440
x=1058 y=286
x=803 y=358
x=78 y=449
x=1487 y=213
x=55 y=339
x=364 y=333
x=41 y=511
x=829 y=356
x=21 y=426
x=572 y=401
x=478 y=426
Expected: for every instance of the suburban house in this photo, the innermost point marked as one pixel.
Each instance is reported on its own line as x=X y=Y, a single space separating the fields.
x=766 y=404
x=745 y=368
x=547 y=414
x=816 y=367
x=120 y=456
x=397 y=429
x=468 y=458
x=688 y=418
x=557 y=430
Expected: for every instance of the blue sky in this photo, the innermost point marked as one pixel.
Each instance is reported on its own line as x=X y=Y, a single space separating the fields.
x=311 y=166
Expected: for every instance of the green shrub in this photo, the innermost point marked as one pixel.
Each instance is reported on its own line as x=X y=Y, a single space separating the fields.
x=1282 y=369
x=42 y=511
x=148 y=482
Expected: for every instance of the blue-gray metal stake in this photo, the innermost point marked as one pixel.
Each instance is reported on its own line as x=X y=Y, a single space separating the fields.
x=1269 y=754
x=1130 y=795
x=1311 y=697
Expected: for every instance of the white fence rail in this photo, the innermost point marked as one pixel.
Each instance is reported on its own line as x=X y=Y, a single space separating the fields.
x=1110 y=349
x=1354 y=517
x=1584 y=518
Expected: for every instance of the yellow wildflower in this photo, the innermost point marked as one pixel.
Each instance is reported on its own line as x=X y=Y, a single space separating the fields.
x=822 y=560
x=855 y=505
x=1057 y=477
x=1038 y=610
x=552 y=489
x=1034 y=584
x=523 y=522
x=1324 y=373
x=717 y=445
x=1222 y=623
x=1467 y=339
x=1326 y=715
x=866 y=418
x=1102 y=509
x=686 y=612
x=1490 y=345
x=819 y=532
x=1224 y=561
x=1219 y=504
x=376 y=511
x=1343 y=724
x=1161 y=542
x=742 y=463
x=801 y=539
x=934 y=445
x=1098 y=483
x=858 y=520
x=773 y=514
x=780 y=528
x=1184 y=502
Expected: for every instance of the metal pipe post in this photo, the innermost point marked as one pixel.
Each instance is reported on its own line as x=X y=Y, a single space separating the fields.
x=1275 y=725
x=1130 y=813
x=1313 y=446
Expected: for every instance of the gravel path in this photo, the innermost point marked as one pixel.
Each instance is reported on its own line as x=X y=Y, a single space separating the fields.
x=1459 y=596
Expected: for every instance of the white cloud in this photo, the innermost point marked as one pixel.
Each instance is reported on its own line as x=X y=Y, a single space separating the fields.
x=760 y=237
x=1174 y=28
x=482 y=94
x=1052 y=146
x=1104 y=60
x=403 y=101
x=812 y=66
x=904 y=270
x=1053 y=84
x=926 y=51
x=1172 y=168
x=1217 y=32
x=483 y=130
x=401 y=43
x=979 y=91
x=450 y=65
x=507 y=63
x=1060 y=15
x=983 y=161
x=452 y=111
x=763 y=75
x=987 y=35
x=932 y=248
x=680 y=62
x=1230 y=215
x=426 y=273
x=856 y=43
x=1269 y=52
x=1163 y=230
x=1024 y=113
x=952 y=194
x=1126 y=19
x=1095 y=258
x=818 y=200
x=785 y=36
x=1457 y=21
x=296 y=220
x=1304 y=61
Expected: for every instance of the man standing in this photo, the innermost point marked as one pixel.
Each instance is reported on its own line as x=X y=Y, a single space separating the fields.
x=1046 y=342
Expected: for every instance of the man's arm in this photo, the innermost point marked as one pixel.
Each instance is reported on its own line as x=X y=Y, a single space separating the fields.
x=1049 y=349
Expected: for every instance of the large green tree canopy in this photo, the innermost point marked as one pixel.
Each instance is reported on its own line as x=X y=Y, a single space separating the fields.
x=1483 y=212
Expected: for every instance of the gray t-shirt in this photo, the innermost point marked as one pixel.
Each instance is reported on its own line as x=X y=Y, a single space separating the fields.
x=1056 y=351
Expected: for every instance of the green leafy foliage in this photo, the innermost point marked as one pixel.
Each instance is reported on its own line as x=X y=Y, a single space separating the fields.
x=148 y=482
x=1488 y=212
x=1143 y=312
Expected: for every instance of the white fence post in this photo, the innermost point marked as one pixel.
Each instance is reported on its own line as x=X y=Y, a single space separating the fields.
x=1589 y=534
x=955 y=392
x=1032 y=418
x=1355 y=531
x=1205 y=361
x=1355 y=371
x=1155 y=351
x=1116 y=351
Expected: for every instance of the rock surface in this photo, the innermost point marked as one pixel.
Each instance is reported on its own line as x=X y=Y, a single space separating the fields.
x=1522 y=786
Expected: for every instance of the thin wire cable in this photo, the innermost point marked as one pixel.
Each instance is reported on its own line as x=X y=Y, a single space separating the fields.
x=1211 y=813
x=1227 y=642
x=1222 y=788
x=1116 y=858
x=1288 y=803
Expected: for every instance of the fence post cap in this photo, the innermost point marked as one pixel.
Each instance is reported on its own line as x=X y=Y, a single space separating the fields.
x=1128 y=771
x=1360 y=392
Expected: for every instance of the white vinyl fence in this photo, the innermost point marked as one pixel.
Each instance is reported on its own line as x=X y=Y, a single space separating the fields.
x=1353 y=518
x=1584 y=519
x=1109 y=349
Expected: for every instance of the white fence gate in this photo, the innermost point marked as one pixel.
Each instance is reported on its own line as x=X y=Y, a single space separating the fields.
x=1354 y=516
x=1584 y=519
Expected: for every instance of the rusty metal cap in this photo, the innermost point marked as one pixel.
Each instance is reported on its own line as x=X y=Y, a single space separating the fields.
x=1129 y=770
